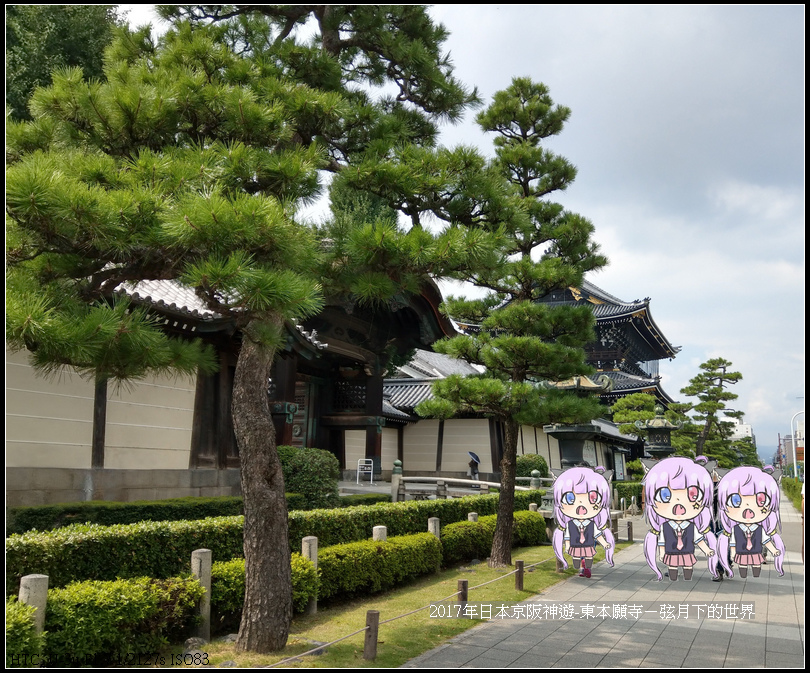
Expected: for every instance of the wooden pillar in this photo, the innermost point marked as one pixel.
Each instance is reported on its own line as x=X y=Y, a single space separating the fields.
x=284 y=377
x=374 y=400
x=99 y=423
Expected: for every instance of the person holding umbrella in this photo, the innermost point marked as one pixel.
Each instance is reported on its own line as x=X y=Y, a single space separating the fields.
x=473 y=465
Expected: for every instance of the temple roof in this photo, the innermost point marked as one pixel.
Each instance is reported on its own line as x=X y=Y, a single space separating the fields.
x=626 y=384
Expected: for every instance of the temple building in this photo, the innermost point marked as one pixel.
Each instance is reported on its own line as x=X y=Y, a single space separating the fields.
x=347 y=381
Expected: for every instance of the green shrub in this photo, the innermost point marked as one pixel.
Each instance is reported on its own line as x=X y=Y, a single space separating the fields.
x=104 y=623
x=228 y=590
x=467 y=540
x=635 y=470
x=50 y=517
x=363 y=499
x=313 y=473
x=361 y=568
x=528 y=462
x=23 y=643
x=793 y=489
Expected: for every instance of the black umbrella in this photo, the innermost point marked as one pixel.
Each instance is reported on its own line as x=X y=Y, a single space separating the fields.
x=474 y=456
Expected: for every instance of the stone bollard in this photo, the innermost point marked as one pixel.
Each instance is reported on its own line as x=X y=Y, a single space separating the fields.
x=34 y=592
x=201 y=571
x=559 y=567
x=462 y=594
x=629 y=531
x=379 y=534
x=533 y=507
x=519 y=576
x=534 y=482
x=472 y=516
x=309 y=550
x=372 y=632
x=441 y=490
x=434 y=527
x=396 y=480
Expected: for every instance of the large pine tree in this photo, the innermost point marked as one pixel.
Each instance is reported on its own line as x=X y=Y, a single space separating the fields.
x=189 y=164
x=521 y=341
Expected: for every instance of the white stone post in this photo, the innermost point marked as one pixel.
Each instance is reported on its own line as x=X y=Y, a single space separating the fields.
x=201 y=571
x=434 y=527
x=309 y=550
x=34 y=592
x=380 y=534
x=472 y=516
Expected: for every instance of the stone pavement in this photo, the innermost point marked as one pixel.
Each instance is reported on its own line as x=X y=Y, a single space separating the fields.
x=773 y=638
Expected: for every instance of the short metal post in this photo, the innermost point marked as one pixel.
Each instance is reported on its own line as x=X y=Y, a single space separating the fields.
x=519 y=576
x=372 y=630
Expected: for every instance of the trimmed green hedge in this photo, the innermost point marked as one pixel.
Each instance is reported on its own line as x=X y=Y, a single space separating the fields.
x=228 y=590
x=23 y=644
x=104 y=623
x=627 y=489
x=153 y=548
x=467 y=540
x=351 y=524
x=49 y=517
x=361 y=568
x=357 y=499
x=163 y=548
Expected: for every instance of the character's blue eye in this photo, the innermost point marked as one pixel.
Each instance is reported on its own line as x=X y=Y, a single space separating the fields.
x=569 y=498
x=734 y=500
x=663 y=494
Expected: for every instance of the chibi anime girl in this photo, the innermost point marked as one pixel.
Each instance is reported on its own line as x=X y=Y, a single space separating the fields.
x=582 y=511
x=678 y=493
x=748 y=504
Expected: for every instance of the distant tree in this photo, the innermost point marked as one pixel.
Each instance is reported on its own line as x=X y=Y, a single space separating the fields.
x=44 y=38
x=521 y=341
x=631 y=408
x=710 y=388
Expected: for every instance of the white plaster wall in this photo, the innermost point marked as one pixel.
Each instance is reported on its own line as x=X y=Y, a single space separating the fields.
x=149 y=424
x=49 y=421
x=461 y=436
x=419 y=445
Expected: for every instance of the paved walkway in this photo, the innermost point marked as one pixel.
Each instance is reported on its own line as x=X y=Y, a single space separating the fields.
x=773 y=638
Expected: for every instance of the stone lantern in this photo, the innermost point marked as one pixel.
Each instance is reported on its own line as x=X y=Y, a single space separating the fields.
x=659 y=434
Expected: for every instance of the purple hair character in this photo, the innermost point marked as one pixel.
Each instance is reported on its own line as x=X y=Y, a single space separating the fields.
x=678 y=496
x=582 y=511
x=748 y=509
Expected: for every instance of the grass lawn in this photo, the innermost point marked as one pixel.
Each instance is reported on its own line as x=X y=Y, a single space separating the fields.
x=410 y=636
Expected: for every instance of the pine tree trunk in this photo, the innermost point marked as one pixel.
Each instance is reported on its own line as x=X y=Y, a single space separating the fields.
x=267 y=611
x=501 y=555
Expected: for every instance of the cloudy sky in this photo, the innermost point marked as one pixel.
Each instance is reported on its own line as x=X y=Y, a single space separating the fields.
x=687 y=130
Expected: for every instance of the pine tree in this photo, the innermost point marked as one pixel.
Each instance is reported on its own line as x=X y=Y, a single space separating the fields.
x=189 y=164
x=710 y=387
x=522 y=342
